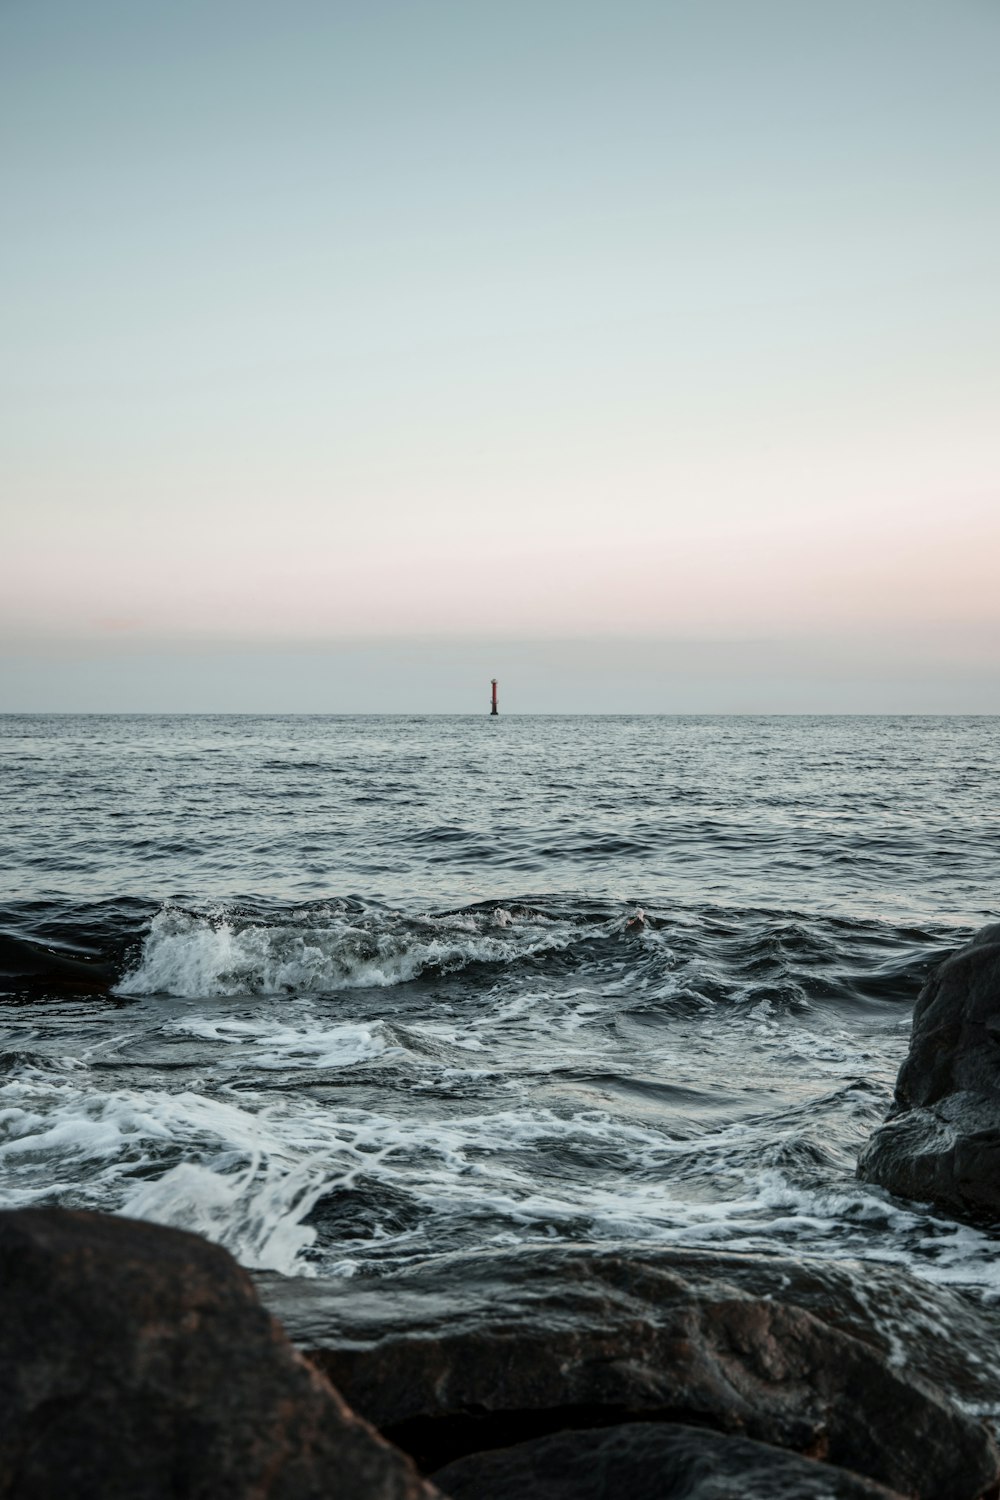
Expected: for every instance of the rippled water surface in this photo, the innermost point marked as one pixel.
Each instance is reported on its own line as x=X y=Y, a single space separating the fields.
x=343 y=992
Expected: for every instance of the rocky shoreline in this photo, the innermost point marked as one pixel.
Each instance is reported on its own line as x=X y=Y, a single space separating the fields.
x=139 y=1361
x=863 y=1368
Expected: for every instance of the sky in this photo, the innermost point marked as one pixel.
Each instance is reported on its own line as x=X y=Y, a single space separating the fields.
x=646 y=356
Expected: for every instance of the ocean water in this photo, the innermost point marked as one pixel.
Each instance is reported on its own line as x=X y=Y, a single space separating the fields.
x=344 y=993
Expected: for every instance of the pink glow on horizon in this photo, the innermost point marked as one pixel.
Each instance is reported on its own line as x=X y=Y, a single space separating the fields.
x=709 y=579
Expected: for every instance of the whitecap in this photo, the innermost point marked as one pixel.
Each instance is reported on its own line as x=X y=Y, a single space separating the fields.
x=192 y=955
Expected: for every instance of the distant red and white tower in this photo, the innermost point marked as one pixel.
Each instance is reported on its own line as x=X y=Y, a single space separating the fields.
x=493 y=700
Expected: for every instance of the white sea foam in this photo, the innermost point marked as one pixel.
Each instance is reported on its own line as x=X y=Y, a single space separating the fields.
x=191 y=955
x=256 y=1214
x=248 y=1175
x=279 y=1045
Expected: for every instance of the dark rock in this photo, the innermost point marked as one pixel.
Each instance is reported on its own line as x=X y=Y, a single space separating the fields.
x=480 y=1351
x=941 y=1140
x=136 y=1362
x=643 y=1461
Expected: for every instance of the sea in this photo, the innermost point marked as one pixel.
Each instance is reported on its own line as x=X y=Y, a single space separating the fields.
x=346 y=993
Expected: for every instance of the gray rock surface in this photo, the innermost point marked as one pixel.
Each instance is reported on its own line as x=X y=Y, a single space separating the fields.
x=941 y=1139
x=848 y=1364
x=646 y=1461
x=136 y=1363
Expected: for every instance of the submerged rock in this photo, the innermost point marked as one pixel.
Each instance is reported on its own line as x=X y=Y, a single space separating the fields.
x=646 y=1461
x=136 y=1363
x=839 y=1363
x=941 y=1139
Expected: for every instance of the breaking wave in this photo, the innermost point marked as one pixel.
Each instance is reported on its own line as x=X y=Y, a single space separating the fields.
x=319 y=950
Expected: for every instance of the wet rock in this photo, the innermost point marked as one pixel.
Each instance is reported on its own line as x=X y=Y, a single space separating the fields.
x=136 y=1362
x=941 y=1139
x=481 y=1351
x=645 y=1461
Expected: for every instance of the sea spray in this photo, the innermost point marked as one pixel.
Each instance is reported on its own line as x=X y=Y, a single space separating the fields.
x=225 y=953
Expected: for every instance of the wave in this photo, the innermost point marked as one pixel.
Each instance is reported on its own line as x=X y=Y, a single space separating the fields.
x=672 y=956
x=320 y=950
x=30 y=967
x=56 y=947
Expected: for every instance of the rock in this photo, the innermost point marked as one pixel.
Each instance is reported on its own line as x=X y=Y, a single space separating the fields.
x=941 y=1139
x=479 y=1351
x=136 y=1363
x=650 y=1461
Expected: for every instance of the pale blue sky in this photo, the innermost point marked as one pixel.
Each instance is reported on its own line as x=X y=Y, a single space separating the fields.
x=479 y=326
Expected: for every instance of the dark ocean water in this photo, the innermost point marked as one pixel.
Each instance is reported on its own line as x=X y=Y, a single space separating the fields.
x=347 y=992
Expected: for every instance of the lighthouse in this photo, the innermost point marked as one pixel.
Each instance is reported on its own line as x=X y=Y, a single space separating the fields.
x=493 y=700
